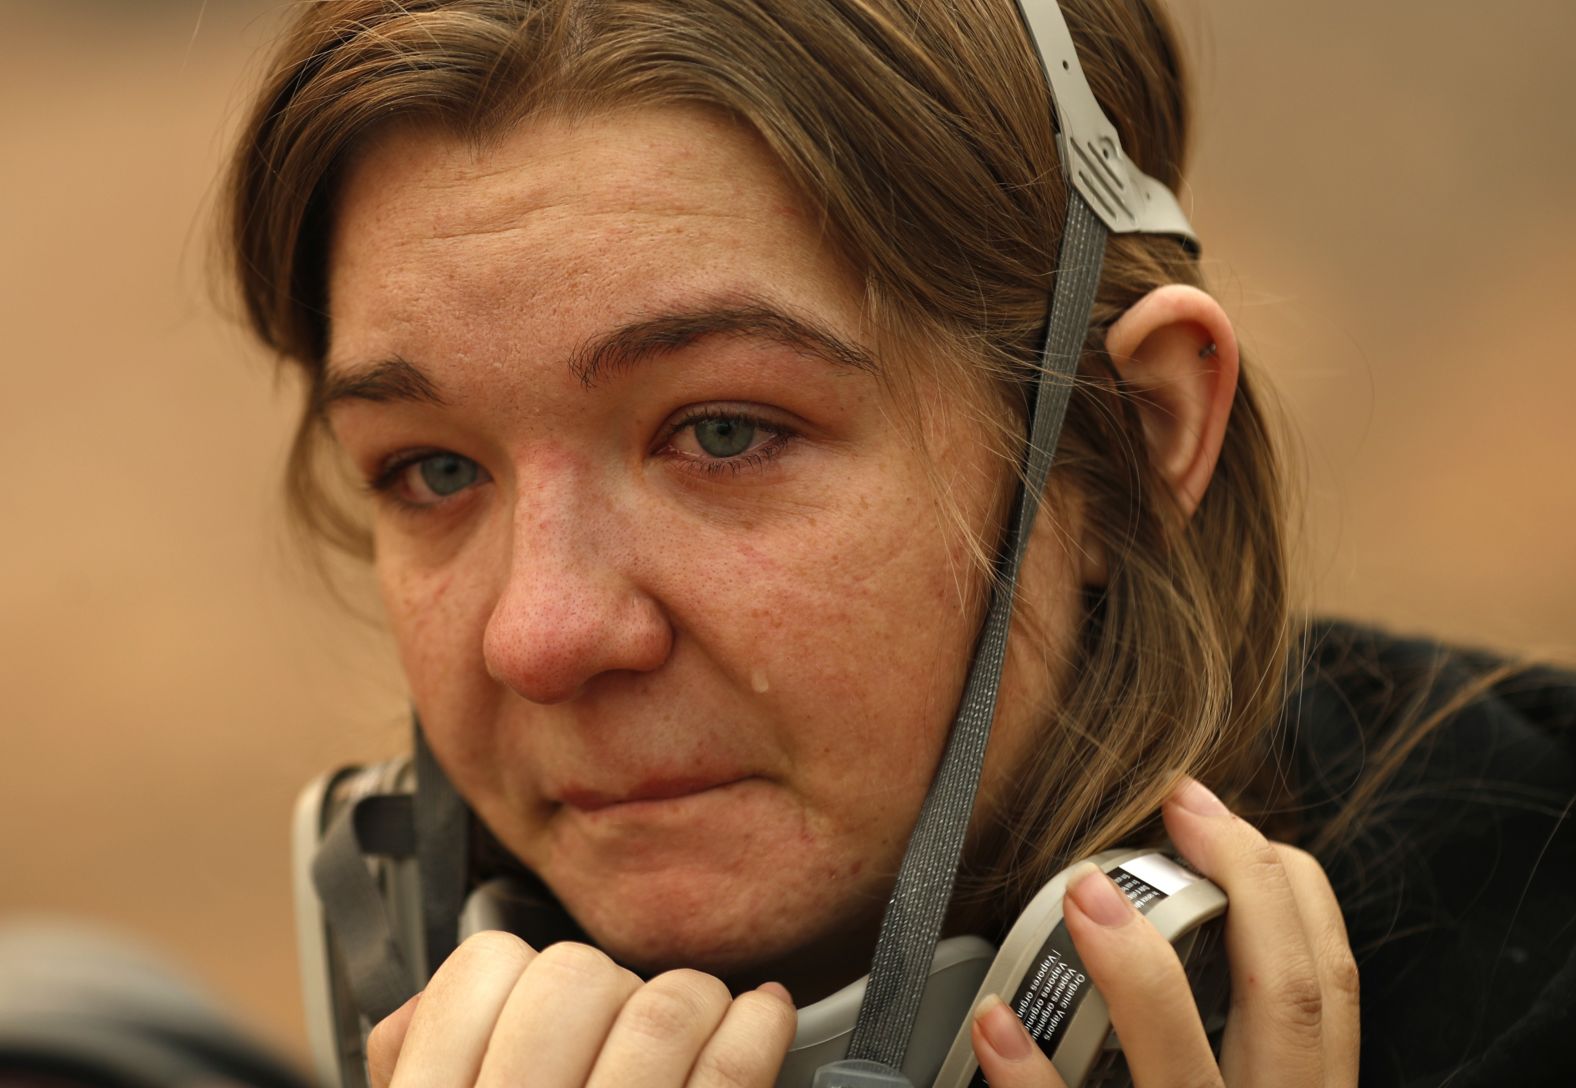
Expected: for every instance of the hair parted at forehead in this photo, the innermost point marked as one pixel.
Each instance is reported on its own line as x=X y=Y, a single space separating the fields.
x=921 y=132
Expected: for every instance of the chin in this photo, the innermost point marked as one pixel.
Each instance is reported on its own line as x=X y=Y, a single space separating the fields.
x=724 y=883
x=724 y=931
x=811 y=962
x=655 y=951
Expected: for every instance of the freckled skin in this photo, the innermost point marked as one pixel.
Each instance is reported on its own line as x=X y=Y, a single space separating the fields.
x=594 y=615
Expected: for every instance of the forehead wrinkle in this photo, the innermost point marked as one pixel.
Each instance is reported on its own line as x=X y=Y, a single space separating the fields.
x=494 y=199
x=504 y=221
x=513 y=220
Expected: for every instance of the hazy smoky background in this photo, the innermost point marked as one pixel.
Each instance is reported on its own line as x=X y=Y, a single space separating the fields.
x=1384 y=194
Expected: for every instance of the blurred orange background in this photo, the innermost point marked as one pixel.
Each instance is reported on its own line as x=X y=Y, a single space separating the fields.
x=1384 y=191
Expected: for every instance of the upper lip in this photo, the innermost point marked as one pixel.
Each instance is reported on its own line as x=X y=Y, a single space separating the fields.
x=654 y=788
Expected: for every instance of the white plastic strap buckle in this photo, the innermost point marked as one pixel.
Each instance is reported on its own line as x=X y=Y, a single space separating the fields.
x=1125 y=198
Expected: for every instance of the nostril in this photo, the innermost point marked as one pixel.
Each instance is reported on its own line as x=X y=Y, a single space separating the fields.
x=548 y=648
x=535 y=671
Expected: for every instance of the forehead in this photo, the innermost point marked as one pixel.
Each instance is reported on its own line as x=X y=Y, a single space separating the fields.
x=562 y=226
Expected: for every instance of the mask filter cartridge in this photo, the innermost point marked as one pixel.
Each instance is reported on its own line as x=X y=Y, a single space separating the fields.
x=1039 y=973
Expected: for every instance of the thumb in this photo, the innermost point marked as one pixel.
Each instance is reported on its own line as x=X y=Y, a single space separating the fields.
x=1008 y=1057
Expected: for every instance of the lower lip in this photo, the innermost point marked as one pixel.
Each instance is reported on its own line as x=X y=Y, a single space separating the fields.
x=658 y=798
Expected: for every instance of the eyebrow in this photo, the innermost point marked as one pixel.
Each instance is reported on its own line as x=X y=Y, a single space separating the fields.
x=397 y=380
x=744 y=317
x=392 y=379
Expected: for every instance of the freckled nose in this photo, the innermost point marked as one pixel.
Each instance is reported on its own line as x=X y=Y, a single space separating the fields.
x=571 y=611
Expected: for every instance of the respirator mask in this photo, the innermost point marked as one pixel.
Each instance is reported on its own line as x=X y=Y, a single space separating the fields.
x=385 y=886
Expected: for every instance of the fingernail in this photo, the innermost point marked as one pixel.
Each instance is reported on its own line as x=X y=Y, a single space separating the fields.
x=1097 y=897
x=1003 y=1030
x=1192 y=796
x=777 y=990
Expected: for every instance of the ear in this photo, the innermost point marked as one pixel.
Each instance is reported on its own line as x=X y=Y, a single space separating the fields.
x=1176 y=352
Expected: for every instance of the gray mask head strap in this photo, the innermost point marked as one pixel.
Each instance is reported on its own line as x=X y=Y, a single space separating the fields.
x=1107 y=194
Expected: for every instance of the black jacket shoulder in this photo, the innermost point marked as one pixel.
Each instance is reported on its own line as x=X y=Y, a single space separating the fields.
x=1458 y=881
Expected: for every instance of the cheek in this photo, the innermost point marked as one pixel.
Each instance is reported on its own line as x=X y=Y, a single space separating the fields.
x=860 y=623
x=437 y=616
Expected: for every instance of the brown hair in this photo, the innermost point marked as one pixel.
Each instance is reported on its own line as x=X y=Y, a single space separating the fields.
x=921 y=130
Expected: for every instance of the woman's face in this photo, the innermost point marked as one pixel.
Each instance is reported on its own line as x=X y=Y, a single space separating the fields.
x=665 y=567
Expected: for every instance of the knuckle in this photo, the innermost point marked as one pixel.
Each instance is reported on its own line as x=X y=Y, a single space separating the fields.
x=1297 y=860
x=771 y=1012
x=707 y=992
x=659 y=1014
x=728 y=1069
x=1261 y=859
x=1305 y=872
x=1156 y=973
x=1297 y=1002
x=1345 y=980
x=762 y=1026
x=1293 y=1003
x=673 y=1003
x=380 y=1042
x=491 y=945
x=386 y=1040
x=574 y=960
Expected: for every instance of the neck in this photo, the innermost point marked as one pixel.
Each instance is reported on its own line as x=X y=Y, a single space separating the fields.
x=818 y=970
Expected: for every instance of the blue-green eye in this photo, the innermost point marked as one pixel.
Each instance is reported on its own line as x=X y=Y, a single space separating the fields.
x=422 y=478
x=448 y=473
x=724 y=437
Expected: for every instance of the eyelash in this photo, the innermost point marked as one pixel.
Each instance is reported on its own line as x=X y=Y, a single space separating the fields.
x=386 y=478
x=778 y=439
